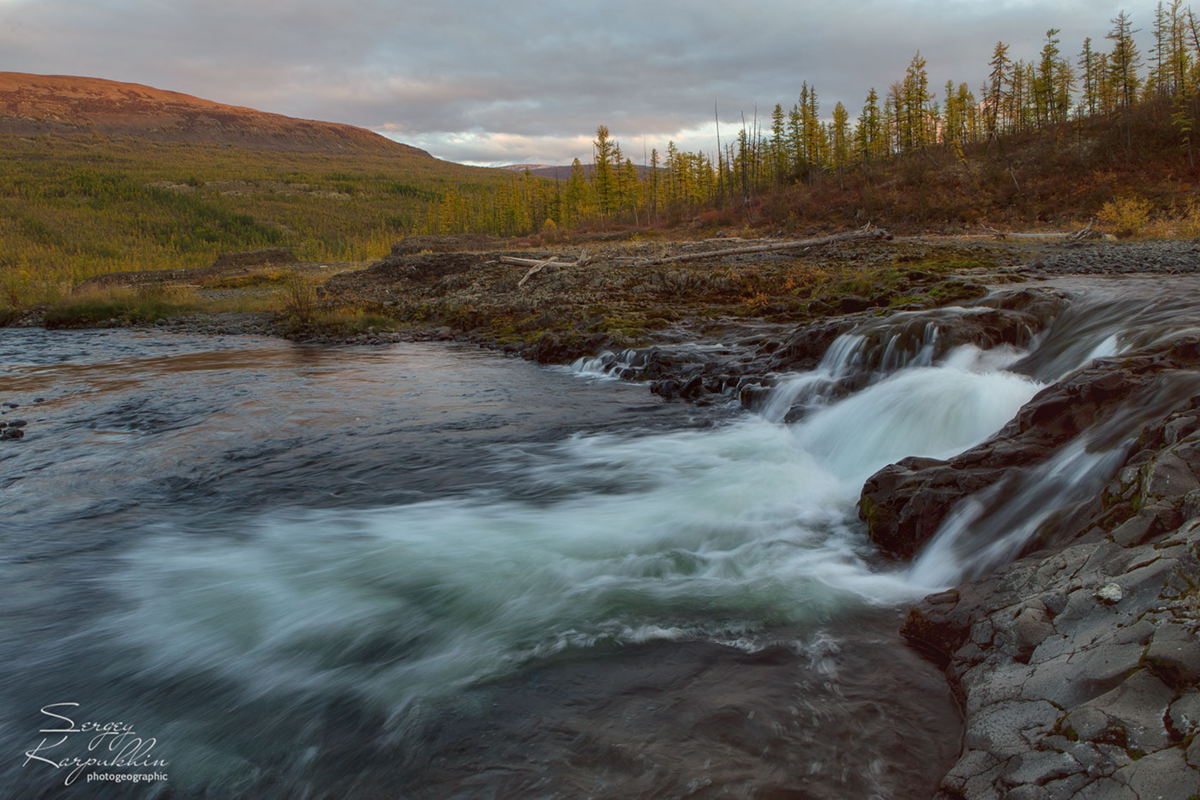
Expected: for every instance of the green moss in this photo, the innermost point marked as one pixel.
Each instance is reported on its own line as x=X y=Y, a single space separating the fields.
x=868 y=509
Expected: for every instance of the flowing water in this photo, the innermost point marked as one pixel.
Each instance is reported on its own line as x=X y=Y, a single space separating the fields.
x=427 y=570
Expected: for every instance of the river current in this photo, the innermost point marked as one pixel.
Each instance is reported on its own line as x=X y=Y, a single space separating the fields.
x=430 y=570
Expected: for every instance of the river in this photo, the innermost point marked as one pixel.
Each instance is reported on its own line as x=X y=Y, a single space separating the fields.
x=430 y=570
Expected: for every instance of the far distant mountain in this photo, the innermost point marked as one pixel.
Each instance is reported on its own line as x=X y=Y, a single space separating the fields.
x=63 y=104
x=563 y=172
x=531 y=167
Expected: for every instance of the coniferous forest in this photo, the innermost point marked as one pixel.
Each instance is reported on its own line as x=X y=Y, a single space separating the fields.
x=1018 y=138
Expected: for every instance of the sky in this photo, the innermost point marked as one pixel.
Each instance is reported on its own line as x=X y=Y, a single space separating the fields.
x=528 y=81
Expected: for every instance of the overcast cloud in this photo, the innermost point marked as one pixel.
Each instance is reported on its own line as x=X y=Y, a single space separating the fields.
x=531 y=80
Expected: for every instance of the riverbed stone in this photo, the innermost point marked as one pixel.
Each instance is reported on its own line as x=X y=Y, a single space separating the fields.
x=1193 y=753
x=1185 y=713
x=982 y=632
x=1169 y=476
x=1002 y=728
x=1139 y=705
x=1069 y=786
x=1031 y=627
x=1134 y=531
x=1107 y=789
x=1165 y=775
x=1088 y=723
x=1176 y=651
x=1189 y=507
x=1039 y=767
x=1078 y=677
x=973 y=764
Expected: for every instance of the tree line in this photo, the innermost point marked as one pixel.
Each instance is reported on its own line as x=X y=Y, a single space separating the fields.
x=1101 y=84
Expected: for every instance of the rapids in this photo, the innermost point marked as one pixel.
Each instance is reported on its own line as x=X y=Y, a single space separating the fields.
x=431 y=569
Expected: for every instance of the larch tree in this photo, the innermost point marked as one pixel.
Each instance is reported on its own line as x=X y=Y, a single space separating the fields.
x=1123 y=65
x=868 y=134
x=914 y=94
x=654 y=185
x=603 y=177
x=795 y=141
x=778 y=149
x=840 y=138
x=998 y=79
x=1088 y=64
x=1044 y=84
x=576 y=199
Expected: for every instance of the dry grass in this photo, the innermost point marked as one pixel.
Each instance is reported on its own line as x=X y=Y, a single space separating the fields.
x=144 y=304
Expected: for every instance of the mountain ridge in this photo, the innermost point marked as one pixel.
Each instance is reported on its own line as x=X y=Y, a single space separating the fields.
x=72 y=105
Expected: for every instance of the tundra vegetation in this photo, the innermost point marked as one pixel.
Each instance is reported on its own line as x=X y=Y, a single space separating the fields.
x=1049 y=143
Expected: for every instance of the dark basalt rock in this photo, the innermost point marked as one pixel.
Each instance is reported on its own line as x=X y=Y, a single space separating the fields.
x=904 y=503
x=805 y=348
x=418 y=268
x=1077 y=666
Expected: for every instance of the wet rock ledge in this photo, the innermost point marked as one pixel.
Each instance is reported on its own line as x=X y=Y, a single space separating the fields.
x=1078 y=665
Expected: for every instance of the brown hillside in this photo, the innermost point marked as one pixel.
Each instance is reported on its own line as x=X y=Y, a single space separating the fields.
x=64 y=104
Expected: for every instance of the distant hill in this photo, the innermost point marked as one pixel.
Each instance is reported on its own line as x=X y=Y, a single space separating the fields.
x=562 y=173
x=98 y=176
x=64 y=104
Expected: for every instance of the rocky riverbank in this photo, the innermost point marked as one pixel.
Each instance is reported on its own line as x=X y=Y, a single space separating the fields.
x=1078 y=665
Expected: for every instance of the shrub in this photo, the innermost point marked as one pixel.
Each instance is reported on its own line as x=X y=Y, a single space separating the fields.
x=299 y=297
x=1125 y=217
x=1188 y=224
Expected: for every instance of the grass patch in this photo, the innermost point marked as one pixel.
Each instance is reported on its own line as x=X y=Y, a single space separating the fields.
x=341 y=322
x=120 y=306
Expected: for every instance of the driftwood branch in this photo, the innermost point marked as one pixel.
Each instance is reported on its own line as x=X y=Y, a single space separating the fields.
x=1087 y=233
x=583 y=260
x=864 y=234
x=1078 y=236
x=993 y=231
x=537 y=267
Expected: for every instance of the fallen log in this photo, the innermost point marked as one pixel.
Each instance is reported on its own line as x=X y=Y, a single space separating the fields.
x=1086 y=233
x=864 y=234
x=582 y=261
